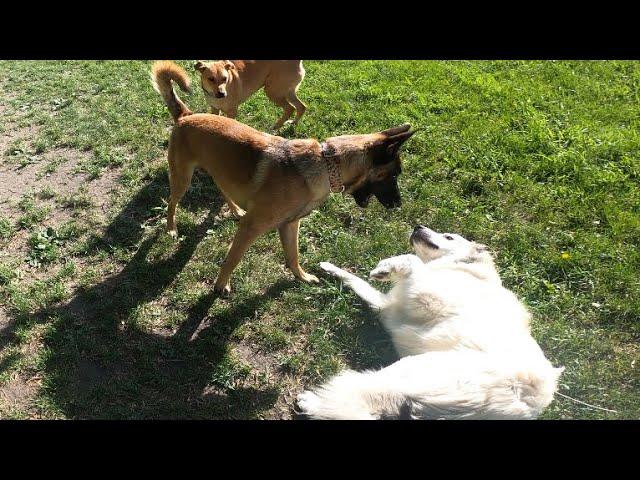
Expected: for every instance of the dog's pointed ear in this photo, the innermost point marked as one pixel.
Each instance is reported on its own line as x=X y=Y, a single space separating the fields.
x=390 y=132
x=395 y=142
x=228 y=64
x=199 y=66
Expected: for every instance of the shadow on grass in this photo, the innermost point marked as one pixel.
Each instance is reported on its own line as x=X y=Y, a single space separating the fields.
x=102 y=365
x=376 y=347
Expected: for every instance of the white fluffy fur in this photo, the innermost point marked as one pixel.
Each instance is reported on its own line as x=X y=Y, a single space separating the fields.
x=464 y=341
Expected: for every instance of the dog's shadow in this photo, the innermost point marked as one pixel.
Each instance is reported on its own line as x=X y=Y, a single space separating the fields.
x=375 y=348
x=101 y=363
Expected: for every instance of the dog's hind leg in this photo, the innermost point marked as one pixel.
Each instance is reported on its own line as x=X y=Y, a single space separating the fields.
x=373 y=297
x=235 y=210
x=249 y=229
x=289 y=238
x=300 y=107
x=286 y=106
x=179 y=181
x=352 y=396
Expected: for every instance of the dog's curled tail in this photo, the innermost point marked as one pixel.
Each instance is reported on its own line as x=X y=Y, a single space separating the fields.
x=162 y=73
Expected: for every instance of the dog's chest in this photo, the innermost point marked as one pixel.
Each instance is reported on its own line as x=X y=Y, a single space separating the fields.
x=304 y=211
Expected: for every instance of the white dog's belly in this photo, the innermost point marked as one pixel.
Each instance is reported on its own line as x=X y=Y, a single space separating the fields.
x=430 y=312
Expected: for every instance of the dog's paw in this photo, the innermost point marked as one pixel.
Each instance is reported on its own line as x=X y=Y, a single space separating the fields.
x=330 y=268
x=307 y=403
x=222 y=290
x=381 y=273
x=230 y=212
x=307 y=277
x=238 y=213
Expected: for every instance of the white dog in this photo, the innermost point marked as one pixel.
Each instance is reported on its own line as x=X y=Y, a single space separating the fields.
x=464 y=341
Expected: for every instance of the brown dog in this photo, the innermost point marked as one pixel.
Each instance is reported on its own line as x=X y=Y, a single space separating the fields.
x=228 y=83
x=275 y=180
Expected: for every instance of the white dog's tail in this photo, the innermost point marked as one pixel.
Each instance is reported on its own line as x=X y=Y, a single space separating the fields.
x=438 y=385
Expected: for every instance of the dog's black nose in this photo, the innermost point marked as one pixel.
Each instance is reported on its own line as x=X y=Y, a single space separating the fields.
x=418 y=227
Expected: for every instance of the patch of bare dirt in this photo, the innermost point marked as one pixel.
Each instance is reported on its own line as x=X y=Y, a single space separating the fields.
x=5 y=325
x=64 y=181
x=18 y=393
x=267 y=368
x=54 y=173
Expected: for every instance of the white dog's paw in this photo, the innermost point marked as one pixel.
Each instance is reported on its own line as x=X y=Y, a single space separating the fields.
x=307 y=403
x=331 y=268
x=382 y=272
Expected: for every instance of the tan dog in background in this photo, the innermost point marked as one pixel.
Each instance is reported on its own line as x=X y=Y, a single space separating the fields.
x=275 y=180
x=228 y=83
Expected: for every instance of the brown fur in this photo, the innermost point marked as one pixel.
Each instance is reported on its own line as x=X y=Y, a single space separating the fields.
x=237 y=80
x=272 y=181
x=162 y=73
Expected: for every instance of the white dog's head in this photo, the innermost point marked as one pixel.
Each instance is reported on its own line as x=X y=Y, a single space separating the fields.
x=430 y=245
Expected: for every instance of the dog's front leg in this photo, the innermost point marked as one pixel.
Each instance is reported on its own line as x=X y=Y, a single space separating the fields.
x=373 y=297
x=231 y=112
x=289 y=238
x=249 y=229
x=395 y=268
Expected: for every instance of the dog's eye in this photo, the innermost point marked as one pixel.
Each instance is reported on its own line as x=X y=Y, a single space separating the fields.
x=448 y=237
x=211 y=79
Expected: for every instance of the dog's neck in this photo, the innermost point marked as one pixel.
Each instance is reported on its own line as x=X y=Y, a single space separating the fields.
x=479 y=263
x=332 y=163
x=345 y=164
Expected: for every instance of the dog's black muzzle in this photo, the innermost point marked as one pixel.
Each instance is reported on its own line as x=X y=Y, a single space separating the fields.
x=422 y=234
x=386 y=192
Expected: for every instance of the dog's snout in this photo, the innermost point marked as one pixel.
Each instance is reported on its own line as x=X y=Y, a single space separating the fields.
x=221 y=94
x=418 y=227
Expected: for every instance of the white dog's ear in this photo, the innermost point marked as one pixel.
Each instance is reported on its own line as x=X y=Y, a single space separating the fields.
x=229 y=65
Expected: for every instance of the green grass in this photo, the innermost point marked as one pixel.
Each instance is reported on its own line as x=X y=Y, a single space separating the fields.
x=6 y=228
x=539 y=160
